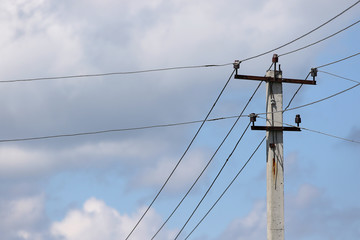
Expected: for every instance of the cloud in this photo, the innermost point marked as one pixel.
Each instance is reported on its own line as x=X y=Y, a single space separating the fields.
x=311 y=214
x=23 y=162
x=96 y=221
x=308 y=214
x=49 y=38
x=23 y=217
x=252 y=226
x=186 y=173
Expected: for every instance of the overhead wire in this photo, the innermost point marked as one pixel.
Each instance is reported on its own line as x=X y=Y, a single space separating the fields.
x=296 y=92
x=226 y=189
x=212 y=157
x=181 y=158
x=321 y=40
x=302 y=36
x=317 y=101
x=181 y=123
x=337 y=61
x=113 y=130
x=316 y=131
x=207 y=213
x=213 y=182
x=180 y=67
x=335 y=75
x=114 y=73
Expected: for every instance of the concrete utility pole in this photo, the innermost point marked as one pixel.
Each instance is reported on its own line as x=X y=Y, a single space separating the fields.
x=275 y=158
x=274 y=148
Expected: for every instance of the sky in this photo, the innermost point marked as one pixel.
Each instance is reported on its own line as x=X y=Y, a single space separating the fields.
x=98 y=186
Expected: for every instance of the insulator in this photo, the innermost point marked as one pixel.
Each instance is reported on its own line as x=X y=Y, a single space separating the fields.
x=236 y=64
x=314 y=72
x=275 y=58
x=252 y=118
x=297 y=119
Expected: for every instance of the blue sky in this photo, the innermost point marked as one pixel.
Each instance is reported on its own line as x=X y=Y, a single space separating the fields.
x=97 y=187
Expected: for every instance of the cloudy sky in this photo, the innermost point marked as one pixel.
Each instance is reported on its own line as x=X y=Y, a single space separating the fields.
x=98 y=186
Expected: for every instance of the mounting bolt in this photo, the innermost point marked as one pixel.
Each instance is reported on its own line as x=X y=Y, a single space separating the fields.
x=297 y=119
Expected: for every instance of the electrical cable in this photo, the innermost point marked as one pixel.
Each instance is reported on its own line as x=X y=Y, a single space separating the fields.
x=202 y=219
x=114 y=130
x=227 y=188
x=302 y=36
x=314 y=102
x=181 y=123
x=213 y=182
x=334 y=75
x=115 y=73
x=343 y=59
x=296 y=92
x=312 y=44
x=330 y=135
x=319 y=132
x=181 y=158
x=323 y=99
x=181 y=67
x=197 y=179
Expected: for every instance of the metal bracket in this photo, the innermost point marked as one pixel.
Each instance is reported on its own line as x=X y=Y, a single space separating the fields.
x=271 y=79
x=271 y=128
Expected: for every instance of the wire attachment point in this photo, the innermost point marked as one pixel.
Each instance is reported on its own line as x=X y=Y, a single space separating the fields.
x=253 y=118
x=275 y=58
x=297 y=119
x=236 y=66
x=314 y=72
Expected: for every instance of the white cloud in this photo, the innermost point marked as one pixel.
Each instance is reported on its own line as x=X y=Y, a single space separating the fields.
x=186 y=173
x=23 y=217
x=96 y=221
x=252 y=226
x=308 y=214
x=17 y=162
x=44 y=38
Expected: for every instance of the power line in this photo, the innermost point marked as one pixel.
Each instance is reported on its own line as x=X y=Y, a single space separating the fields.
x=175 y=124
x=180 y=123
x=330 y=135
x=171 y=124
x=348 y=79
x=317 y=101
x=343 y=59
x=312 y=44
x=302 y=36
x=115 y=73
x=114 y=130
x=255 y=152
x=323 y=99
x=296 y=92
x=181 y=158
x=176 y=68
x=204 y=169
x=227 y=188
x=213 y=182
x=319 y=132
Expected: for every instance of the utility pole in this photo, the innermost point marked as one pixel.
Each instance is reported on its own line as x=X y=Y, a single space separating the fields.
x=275 y=157
x=274 y=144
